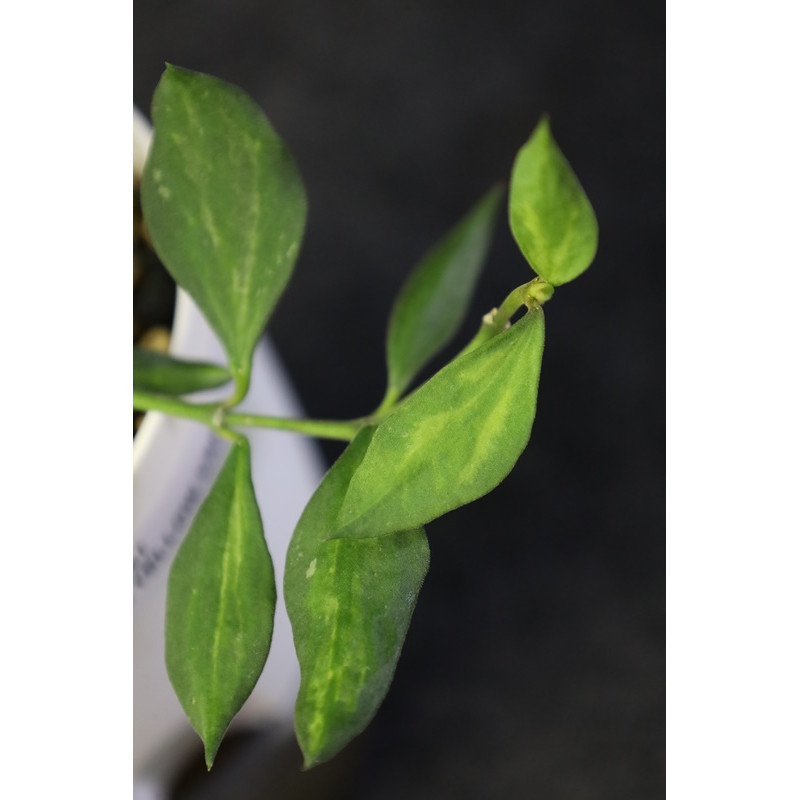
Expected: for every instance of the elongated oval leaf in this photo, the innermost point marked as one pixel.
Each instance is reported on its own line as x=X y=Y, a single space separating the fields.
x=551 y=218
x=432 y=304
x=159 y=372
x=224 y=205
x=453 y=440
x=220 y=604
x=350 y=604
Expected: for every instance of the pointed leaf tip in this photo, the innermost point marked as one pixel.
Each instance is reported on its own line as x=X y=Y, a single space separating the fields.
x=210 y=749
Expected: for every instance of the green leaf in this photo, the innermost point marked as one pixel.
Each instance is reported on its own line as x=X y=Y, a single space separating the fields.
x=224 y=205
x=220 y=604
x=432 y=303
x=551 y=218
x=159 y=372
x=350 y=603
x=451 y=441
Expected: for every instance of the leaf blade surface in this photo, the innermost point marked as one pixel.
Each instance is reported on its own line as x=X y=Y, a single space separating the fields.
x=350 y=604
x=165 y=374
x=550 y=215
x=433 y=302
x=220 y=604
x=224 y=204
x=451 y=441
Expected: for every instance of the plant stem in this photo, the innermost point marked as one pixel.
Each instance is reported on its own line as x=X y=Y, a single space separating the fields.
x=534 y=293
x=220 y=419
x=321 y=428
x=216 y=417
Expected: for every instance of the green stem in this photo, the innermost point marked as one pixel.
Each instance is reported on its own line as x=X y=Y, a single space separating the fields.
x=219 y=418
x=216 y=417
x=321 y=428
x=534 y=293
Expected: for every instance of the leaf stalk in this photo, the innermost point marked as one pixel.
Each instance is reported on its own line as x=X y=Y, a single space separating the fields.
x=221 y=420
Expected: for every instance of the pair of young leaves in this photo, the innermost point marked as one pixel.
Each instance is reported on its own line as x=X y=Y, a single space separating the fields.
x=225 y=208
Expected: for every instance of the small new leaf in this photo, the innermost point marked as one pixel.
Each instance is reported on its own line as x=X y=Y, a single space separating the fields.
x=165 y=374
x=220 y=604
x=350 y=604
x=432 y=303
x=551 y=218
x=224 y=205
x=451 y=441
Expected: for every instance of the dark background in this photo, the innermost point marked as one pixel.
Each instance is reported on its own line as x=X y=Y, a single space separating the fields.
x=534 y=663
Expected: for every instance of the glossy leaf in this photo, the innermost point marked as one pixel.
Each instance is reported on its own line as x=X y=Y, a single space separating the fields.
x=220 y=604
x=159 y=372
x=551 y=218
x=224 y=205
x=432 y=303
x=451 y=441
x=350 y=604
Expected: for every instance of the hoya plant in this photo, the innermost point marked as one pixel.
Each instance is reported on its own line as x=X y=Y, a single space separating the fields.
x=225 y=209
